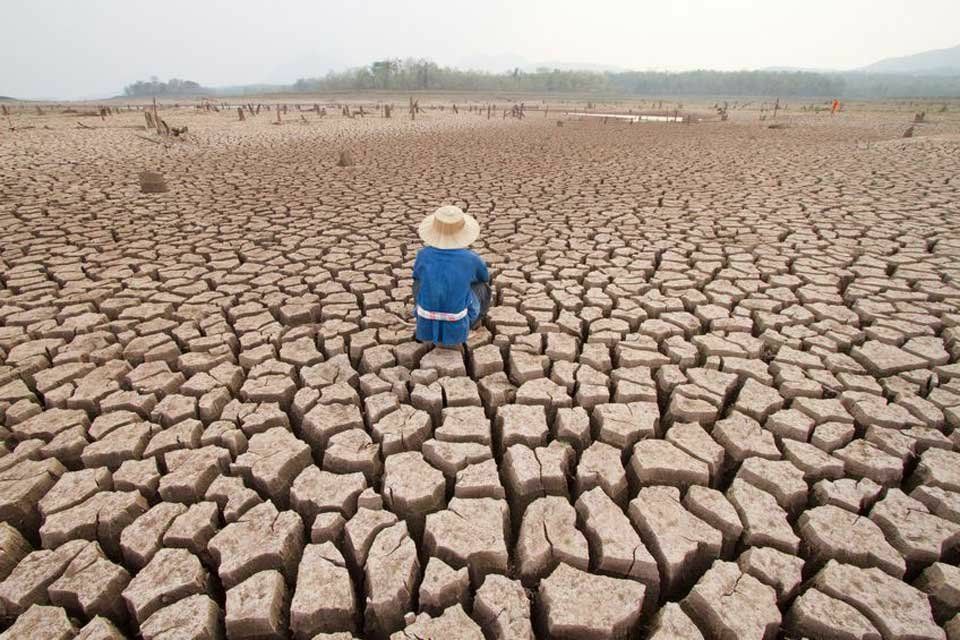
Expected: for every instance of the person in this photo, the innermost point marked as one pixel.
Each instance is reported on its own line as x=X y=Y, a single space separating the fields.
x=451 y=288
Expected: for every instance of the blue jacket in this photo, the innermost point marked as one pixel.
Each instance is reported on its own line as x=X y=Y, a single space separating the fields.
x=444 y=277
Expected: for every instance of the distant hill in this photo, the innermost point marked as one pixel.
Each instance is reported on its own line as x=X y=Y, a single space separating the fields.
x=939 y=62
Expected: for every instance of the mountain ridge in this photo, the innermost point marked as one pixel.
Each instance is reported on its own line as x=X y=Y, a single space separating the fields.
x=931 y=62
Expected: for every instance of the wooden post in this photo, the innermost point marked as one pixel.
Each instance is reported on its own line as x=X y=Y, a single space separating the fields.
x=156 y=117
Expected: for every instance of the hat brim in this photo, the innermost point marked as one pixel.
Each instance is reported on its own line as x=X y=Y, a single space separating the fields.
x=459 y=239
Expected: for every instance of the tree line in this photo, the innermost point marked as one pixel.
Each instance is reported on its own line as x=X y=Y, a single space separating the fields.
x=421 y=74
x=156 y=87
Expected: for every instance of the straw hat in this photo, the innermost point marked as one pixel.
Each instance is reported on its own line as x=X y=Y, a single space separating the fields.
x=449 y=228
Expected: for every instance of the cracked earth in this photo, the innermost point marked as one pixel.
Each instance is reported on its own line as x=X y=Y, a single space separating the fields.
x=717 y=394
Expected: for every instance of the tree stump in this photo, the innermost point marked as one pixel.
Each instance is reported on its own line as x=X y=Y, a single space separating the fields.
x=240 y=113
x=152 y=182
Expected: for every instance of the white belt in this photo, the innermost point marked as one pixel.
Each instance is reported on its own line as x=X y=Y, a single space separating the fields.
x=440 y=315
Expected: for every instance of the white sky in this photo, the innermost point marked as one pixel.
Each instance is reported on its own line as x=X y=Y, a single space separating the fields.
x=92 y=48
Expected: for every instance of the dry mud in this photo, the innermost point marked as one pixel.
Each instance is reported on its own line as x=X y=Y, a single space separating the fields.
x=717 y=396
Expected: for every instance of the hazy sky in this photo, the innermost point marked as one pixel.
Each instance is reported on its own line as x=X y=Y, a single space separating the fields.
x=92 y=48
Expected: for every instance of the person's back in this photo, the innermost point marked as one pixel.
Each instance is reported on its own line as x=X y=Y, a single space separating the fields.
x=450 y=289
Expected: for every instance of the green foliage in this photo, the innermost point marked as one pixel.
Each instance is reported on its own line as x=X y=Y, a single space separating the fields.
x=884 y=85
x=420 y=74
x=155 y=87
x=731 y=83
x=393 y=74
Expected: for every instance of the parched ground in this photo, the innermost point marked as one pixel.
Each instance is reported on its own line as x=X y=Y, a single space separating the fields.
x=717 y=395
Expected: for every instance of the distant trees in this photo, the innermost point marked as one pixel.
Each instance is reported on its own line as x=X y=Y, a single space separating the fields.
x=732 y=83
x=884 y=85
x=414 y=74
x=419 y=74
x=383 y=71
x=155 y=87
